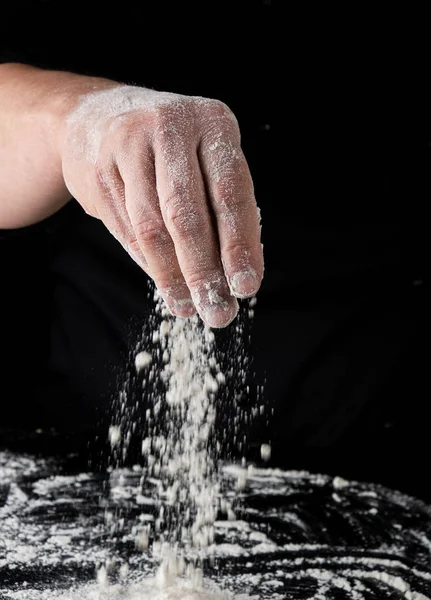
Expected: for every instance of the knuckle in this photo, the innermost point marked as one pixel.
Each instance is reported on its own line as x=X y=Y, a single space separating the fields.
x=229 y=175
x=223 y=170
x=199 y=279
x=183 y=217
x=230 y=204
x=127 y=134
x=219 y=117
x=237 y=248
x=107 y=177
x=150 y=232
x=125 y=139
x=171 y=115
x=163 y=114
x=169 y=130
x=133 y=134
x=217 y=108
x=134 y=245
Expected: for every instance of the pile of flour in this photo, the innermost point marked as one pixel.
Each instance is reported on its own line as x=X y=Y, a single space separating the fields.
x=150 y=590
x=146 y=590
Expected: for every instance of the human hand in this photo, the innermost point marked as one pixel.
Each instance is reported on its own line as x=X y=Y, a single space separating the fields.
x=167 y=176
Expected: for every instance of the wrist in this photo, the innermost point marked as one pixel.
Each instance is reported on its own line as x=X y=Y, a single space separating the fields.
x=67 y=97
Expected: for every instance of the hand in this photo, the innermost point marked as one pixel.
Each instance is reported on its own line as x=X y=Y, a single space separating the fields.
x=167 y=176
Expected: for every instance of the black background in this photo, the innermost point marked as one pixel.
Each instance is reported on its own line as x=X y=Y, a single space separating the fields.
x=335 y=126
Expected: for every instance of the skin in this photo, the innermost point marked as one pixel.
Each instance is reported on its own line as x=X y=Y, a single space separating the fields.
x=167 y=177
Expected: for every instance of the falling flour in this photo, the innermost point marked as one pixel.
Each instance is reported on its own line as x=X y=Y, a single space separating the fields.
x=181 y=455
x=142 y=360
x=265 y=452
x=180 y=452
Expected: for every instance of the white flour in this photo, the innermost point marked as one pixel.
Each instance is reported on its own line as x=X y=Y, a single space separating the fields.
x=35 y=535
x=178 y=451
x=142 y=360
x=181 y=478
x=265 y=452
x=148 y=590
x=142 y=591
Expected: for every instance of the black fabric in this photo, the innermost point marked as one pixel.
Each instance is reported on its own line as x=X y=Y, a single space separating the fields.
x=343 y=188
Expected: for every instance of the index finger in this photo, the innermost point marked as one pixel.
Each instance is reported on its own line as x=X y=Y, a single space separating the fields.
x=231 y=193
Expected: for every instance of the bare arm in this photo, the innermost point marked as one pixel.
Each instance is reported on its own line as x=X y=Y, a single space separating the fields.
x=33 y=106
x=164 y=172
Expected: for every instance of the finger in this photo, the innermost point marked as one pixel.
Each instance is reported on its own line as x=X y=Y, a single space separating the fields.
x=150 y=233
x=110 y=207
x=185 y=211
x=231 y=193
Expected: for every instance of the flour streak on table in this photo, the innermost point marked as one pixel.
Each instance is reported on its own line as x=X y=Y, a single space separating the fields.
x=289 y=535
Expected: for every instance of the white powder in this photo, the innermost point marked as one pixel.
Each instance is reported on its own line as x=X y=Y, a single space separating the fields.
x=342 y=580
x=114 y=435
x=142 y=360
x=181 y=454
x=265 y=452
x=178 y=450
x=148 y=590
x=35 y=537
x=339 y=483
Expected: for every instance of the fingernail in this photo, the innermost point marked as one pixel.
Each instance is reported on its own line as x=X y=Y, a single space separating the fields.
x=178 y=301
x=216 y=308
x=182 y=308
x=220 y=315
x=244 y=283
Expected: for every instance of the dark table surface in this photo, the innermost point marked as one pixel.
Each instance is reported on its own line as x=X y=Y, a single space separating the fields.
x=295 y=535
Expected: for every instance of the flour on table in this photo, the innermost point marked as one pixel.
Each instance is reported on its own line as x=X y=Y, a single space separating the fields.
x=52 y=537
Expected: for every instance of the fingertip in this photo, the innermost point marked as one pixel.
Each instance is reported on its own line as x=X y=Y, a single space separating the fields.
x=244 y=283
x=220 y=315
x=182 y=308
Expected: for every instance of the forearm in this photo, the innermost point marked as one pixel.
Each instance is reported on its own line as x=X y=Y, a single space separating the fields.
x=34 y=104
